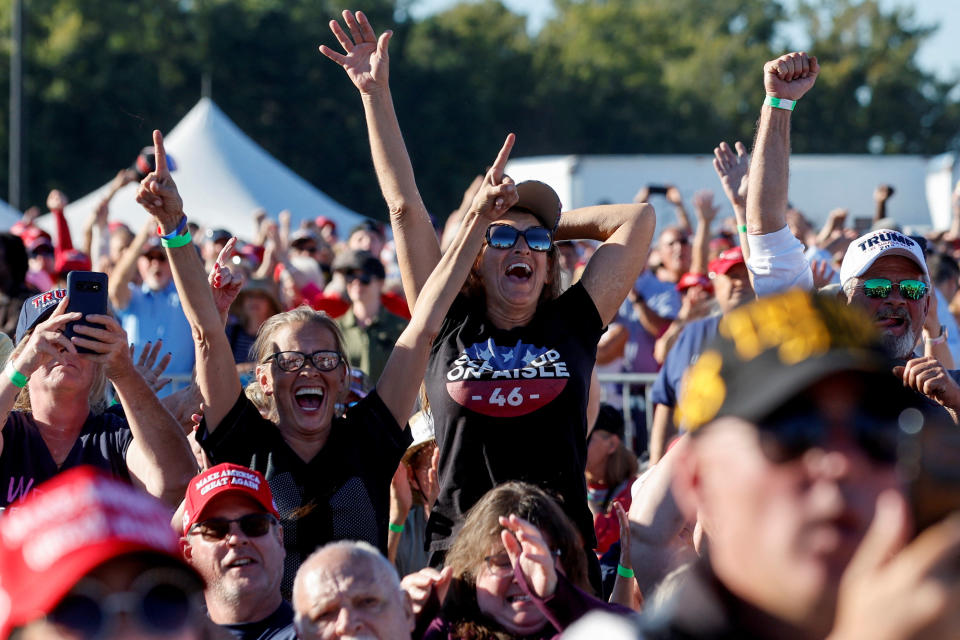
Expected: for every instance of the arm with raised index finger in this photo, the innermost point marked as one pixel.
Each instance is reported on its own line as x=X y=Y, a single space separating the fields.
x=216 y=371
x=400 y=380
x=366 y=61
x=626 y=231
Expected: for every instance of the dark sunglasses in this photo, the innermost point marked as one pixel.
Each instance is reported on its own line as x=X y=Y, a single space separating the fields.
x=296 y=360
x=790 y=433
x=253 y=525
x=503 y=236
x=882 y=288
x=158 y=256
x=41 y=251
x=363 y=277
x=160 y=602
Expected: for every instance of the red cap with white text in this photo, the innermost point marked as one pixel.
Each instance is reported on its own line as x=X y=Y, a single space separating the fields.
x=65 y=528
x=221 y=479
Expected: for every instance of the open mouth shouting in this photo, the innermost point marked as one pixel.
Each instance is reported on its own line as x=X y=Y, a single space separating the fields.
x=519 y=271
x=310 y=399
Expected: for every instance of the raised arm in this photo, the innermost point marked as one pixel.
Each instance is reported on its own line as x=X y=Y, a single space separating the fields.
x=367 y=63
x=216 y=371
x=706 y=212
x=777 y=261
x=625 y=230
x=122 y=274
x=788 y=77
x=732 y=169
x=400 y=380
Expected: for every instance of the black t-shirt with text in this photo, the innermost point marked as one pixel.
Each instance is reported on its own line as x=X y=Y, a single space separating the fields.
x=343 y=493
x=26 y=462
x=512 y=405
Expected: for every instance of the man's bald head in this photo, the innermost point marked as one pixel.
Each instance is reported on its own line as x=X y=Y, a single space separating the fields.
x=345 y=588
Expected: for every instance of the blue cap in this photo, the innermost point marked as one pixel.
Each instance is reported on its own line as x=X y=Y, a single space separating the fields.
x=37 y=309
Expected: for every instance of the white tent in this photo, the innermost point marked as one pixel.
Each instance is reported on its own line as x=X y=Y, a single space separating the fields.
x=222 y=176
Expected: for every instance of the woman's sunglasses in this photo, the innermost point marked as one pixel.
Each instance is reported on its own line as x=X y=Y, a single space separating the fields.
x=503 y=236
x=882 y=288
x=295 y=360
x=160 y=602
x=253 y=525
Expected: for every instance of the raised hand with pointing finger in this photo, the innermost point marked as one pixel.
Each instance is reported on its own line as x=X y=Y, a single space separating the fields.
x=497 y=192
x=158 y=192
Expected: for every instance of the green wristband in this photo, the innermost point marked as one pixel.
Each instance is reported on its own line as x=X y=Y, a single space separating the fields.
x=742 y=228
x=623 y=571
x=17 y=378
x=396 y=528
x=177 y=241
x=779 y=103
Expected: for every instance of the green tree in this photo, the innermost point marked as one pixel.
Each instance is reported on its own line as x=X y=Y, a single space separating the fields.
x=872 y=96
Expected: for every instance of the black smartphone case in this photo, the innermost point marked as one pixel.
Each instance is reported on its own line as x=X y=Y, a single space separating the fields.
x=88 y=295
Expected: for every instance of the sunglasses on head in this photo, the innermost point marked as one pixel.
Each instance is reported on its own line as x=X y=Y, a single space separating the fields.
x=253 y=525
x=159 y=602
x=883 y=287
x=788 y=434
x=296 y=360
x=504 y=236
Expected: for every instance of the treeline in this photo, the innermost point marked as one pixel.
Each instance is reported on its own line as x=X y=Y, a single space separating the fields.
x=604 y=76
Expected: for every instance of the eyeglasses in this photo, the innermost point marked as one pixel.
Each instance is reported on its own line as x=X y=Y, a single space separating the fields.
x=503 y=236
x=882 y=288
x=253 y=525
x=794 y=430
x=296 y=360
x=160 y=602
x=499 y=564
x=308 y=249
x=362 y=276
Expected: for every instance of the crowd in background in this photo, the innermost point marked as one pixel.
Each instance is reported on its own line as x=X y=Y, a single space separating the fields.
x=398 y=430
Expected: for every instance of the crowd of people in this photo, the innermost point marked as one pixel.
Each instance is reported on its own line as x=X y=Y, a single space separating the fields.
x=399 y=433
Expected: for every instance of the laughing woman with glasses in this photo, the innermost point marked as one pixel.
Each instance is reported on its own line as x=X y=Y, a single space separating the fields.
x=510 y=370
x=330 y=475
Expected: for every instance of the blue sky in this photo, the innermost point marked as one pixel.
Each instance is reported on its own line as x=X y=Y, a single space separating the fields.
x=940 y=54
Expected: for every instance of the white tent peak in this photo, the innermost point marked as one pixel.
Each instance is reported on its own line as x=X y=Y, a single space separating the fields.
x=222 y=175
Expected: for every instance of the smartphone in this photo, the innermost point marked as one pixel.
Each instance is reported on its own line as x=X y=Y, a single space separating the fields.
x=929 y=462
x=657 y=189
x=88 y=295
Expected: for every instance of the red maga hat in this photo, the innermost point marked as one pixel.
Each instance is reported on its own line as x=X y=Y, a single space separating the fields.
x=221 y=479
x=67 y=527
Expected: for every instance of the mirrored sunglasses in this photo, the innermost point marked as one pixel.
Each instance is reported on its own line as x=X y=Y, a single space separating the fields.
x=882 y=288
x=504 y=236
x=295 y=360
x=253 y=525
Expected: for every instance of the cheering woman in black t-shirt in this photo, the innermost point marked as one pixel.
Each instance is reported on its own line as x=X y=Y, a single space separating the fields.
x=510 y=367
x=330 y=476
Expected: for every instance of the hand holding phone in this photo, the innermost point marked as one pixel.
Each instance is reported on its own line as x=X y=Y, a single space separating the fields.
x=87 y=291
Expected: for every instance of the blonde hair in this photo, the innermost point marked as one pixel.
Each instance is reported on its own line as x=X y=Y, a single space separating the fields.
x=96 y=398
x=263 y=347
